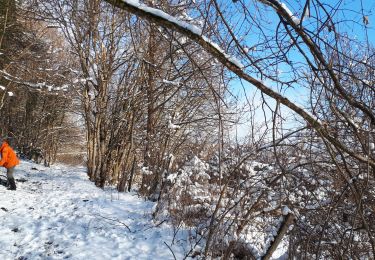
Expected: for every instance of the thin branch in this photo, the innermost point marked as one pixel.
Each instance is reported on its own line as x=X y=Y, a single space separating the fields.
x=170 y=249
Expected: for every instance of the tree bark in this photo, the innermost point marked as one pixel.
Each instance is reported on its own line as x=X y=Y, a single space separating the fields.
x=280 y=234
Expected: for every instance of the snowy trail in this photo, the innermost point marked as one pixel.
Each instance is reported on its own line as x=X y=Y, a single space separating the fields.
x=58 y=214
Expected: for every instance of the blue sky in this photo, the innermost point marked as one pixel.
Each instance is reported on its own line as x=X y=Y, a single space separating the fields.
x=348 y=20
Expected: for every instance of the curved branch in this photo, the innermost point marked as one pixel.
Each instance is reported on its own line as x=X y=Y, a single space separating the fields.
x=315 y=51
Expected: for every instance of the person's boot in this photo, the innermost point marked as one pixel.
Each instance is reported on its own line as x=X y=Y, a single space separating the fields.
x=12 y=184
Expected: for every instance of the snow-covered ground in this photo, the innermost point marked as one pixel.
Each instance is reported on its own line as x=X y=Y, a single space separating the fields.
x=57 y=213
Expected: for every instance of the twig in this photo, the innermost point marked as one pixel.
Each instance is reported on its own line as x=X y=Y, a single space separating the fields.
x=170 y=250
x=116 y=220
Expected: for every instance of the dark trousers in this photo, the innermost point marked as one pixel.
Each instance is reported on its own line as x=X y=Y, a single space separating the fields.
x=11 y=182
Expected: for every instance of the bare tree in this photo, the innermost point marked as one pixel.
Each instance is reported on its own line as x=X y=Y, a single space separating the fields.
x=34 y=84
x=338 y=108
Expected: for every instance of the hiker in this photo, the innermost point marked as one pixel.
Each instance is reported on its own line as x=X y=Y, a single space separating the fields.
x=9 y=160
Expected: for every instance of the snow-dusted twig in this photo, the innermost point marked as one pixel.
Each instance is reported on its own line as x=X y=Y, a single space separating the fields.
x=170 y=249
x=17 y=80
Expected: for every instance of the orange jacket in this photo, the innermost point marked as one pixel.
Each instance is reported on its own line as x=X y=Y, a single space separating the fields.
x=8 y=156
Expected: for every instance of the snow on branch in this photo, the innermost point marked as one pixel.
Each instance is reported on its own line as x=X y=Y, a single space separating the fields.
x=280 y=6
x=17 y=80
x=158 y=16
x=194 y=33
x=280 y=234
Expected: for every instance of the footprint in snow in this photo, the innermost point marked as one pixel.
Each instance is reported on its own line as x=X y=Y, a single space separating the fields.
x=15 y=230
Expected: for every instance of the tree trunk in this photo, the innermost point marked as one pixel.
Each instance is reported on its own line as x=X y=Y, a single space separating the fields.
x=148 y=153
x=280 y=234
x=132 y=174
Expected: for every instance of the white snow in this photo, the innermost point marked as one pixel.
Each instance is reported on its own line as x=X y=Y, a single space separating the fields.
x=58 y=213
x=173 y=126
x=306 y=14
x=2 y=87
x=146 y=171
x=294 y=18
x=232 y=59
x=285 y=210
x=11 y=94
x=290 y=13
x=164 y=15
x=81 y=80
x=175 y=83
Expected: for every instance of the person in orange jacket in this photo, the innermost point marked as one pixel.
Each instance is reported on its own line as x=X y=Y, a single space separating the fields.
x=9 y=160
